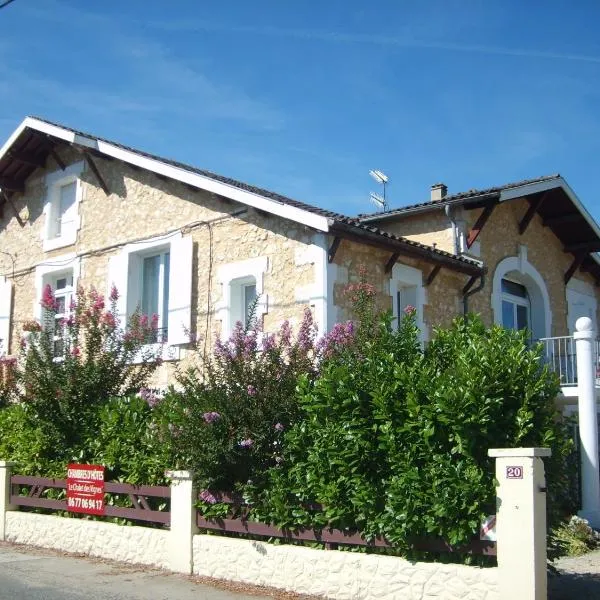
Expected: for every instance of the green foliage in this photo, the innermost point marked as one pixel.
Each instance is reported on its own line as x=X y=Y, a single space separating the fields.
x=134 y=441
x=69 y=368
x=236 y=406
x=71 y=393
x=573 y=538
x=393 y=441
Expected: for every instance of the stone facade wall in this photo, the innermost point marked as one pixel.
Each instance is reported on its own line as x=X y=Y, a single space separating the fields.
x=142 y=205
x=132 y=545
x=430 y=228
x=500 y=239
x=339 y=575
x=443 y=298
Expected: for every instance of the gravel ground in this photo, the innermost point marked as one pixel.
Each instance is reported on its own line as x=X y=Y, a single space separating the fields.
x=579 y=578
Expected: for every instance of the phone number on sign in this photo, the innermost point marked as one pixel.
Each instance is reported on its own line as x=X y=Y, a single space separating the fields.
x=84 y=503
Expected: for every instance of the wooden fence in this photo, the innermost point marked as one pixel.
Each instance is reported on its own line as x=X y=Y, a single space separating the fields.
x=238 y=523
x=31 y=492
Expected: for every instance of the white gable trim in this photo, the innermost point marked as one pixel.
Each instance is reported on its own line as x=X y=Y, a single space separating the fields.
x=189 y=177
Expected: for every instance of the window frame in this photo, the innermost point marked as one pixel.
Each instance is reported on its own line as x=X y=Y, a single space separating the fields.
x=67 y=265
x=232 y=277
x=54 y=183
x=404 y=277
x=179 y=316
x=515 y=301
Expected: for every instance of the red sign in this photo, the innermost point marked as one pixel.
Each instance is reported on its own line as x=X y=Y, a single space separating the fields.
x=85 y=489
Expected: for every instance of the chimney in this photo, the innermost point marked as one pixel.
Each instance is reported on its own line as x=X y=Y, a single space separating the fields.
x=438 y=191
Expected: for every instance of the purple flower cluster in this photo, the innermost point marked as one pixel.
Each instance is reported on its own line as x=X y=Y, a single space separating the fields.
x=207 y=497
x=149 y=396
x=341 y=335
x=409 y=309
x=279 y=427
x=307 y=332
x=251 y=390
x=248 y=443
x=211 y=417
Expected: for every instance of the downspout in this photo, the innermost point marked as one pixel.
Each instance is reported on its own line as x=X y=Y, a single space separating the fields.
x=448 y=211
x=471 y=292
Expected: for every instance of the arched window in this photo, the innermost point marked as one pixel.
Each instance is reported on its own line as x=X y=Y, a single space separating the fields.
x=520 y=297
x=516 y=305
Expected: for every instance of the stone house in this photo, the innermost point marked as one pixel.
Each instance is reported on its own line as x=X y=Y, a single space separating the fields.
x=197 y=248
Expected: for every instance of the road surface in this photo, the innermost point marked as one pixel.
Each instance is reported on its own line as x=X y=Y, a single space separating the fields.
x=33 y=574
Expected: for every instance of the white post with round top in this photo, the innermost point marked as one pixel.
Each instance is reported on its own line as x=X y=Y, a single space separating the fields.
x=588 y=421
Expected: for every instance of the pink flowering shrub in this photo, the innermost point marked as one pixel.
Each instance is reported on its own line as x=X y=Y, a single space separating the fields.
x=236 y=406
x=69 y=368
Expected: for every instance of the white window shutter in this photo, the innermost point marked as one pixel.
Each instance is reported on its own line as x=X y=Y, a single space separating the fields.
x=5 y=310
x=180 y=291
x=118 y=268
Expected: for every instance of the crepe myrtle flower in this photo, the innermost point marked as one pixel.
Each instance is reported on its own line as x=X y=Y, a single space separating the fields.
x=248 y=443
x=279 y=427
x=409 y=309
x=207 y=497
x=211 y=417
x=251 y=390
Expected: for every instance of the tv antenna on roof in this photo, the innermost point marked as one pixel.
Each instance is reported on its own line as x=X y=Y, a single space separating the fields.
x=379 y=201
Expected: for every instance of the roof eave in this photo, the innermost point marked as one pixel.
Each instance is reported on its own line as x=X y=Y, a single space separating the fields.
x=405 y=247
x=269 y=205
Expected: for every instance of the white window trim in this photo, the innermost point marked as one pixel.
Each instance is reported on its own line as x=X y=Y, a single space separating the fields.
x=54 y=181
x=165 y=351
x=228 y=275
x=60 y=264
x=521 y=265
x=403 y=275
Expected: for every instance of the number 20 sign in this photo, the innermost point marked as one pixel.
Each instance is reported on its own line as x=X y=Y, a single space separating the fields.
x=514 y=472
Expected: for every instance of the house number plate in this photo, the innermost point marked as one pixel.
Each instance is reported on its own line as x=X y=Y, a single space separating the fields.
x=514 y=472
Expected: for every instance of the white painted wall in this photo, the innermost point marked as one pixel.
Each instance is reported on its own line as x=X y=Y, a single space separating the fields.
x=132 y=545
x=339 y=575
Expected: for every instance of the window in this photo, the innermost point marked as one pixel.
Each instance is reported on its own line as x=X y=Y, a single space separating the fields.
x=406 y=289
x=63 y=196
x=62 y=286
x=516 y=306
x=155 y=278
x=519 y=296
x=155 y=291
x=61 y=275
x=242 y=290
x=407 y=296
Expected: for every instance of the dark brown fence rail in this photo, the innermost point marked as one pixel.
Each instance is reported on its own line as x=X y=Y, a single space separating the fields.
x=330 y=537
x=140 y=509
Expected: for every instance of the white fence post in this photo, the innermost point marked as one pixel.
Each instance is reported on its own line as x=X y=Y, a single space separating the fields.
x=588 y=421
x=521 y=523
x=183 y=521
x=5 y=505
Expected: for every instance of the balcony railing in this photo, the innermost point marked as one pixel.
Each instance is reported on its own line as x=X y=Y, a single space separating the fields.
x=560 y=355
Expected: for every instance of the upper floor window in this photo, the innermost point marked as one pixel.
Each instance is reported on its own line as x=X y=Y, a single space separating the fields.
x=516 y=305
x=61 y=208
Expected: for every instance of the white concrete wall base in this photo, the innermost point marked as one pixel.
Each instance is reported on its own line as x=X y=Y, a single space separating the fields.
x=339 y=575
x=133 y=545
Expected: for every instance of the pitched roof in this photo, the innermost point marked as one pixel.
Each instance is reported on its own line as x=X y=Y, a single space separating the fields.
x=459 y=197
x=35 y=138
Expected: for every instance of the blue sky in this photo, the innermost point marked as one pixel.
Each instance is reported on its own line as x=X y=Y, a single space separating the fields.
x=305 y=97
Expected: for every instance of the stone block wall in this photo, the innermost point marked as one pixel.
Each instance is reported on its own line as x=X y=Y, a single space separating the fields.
x=339 y=575
x=132 y=545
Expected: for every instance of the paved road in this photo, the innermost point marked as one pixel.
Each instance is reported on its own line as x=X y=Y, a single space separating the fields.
x=42 y=575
